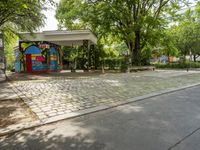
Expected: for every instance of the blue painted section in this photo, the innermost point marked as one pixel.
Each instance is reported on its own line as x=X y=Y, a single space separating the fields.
x=53 y=51
x=17 y=67
x=53 y=63
x=39 y=66
x=32 y=50
x=17 y=63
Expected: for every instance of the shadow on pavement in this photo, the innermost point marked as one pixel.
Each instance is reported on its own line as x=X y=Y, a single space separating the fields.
x=13 y=112
x=41 y=140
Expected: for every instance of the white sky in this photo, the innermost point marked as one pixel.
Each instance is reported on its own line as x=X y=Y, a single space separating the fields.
x=51 y=22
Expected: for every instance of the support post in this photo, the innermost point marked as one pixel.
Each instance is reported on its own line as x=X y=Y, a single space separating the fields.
x=85 y=55
x=92 y=57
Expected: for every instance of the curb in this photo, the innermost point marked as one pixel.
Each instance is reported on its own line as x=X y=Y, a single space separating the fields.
x=21 y=127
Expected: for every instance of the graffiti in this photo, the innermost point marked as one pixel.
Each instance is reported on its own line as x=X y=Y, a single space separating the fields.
x=44 y=46
x=40 y=58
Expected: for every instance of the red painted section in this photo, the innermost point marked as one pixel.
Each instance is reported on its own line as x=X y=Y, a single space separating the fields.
x=28 y=63
x=39 y=58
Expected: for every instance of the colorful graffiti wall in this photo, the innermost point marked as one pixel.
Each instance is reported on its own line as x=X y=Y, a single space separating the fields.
x=38 y=57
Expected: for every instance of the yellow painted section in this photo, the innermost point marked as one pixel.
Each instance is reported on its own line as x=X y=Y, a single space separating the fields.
x=34 y=55
x=53 y=58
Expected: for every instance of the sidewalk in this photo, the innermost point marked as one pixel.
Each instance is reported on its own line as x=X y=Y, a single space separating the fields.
x=14 y=113
x=6 y=92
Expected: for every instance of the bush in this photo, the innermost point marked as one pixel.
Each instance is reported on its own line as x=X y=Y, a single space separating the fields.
x=113 y=63
x=10 y=67
x=124 y=65
x=179 y=65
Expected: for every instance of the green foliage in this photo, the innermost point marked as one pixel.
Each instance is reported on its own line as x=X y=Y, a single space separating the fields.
x=135 y=23
x=187 y=33
x=10 y=43
x=124 y=64
x=113 y=63
x=19 y=15
x=179 y=65
x=70 y=13
x=71 y=53
x=143 y=27
x=120 y=63
x=22 y=15
x=168 y=46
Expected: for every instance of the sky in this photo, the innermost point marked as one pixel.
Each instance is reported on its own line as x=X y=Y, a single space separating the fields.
x=51 y=22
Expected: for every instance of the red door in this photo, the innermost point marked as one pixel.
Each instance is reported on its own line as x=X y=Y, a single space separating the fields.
x=28 y=63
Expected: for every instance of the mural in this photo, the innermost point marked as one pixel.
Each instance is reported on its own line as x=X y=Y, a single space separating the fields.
x=53 y=58
x=38 y=56
x=17 y=62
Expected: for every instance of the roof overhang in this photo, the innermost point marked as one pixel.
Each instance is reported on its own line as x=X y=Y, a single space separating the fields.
x=61 y=37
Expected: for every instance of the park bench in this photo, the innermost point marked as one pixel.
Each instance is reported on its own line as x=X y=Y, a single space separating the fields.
x=141 y=68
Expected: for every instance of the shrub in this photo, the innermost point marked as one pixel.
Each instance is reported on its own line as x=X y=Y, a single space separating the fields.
x=10 y=67
x=179 y=65
x=113 y=63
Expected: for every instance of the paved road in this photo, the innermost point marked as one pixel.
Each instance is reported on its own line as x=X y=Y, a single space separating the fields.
x=167 y=122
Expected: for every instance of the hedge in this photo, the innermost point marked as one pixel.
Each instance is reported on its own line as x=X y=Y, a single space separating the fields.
x=179 y=65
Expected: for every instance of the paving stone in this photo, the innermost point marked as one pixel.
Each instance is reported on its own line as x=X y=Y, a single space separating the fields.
x=51 y=114
x=60 y=113
x=62 y=94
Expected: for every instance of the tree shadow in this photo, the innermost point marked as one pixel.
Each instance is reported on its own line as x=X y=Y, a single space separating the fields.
x=5 y=119
x=6 y=92
x=50 y=75
x=42 y=140
x=14 y=111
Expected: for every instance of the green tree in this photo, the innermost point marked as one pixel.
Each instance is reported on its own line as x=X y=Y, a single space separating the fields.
x=136 y=22
x=187 y=33
x=10 y=42
x=168 y=44
x=20 y=15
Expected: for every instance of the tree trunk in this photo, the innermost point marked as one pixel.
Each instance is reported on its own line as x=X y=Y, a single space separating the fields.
x=168 y=56
x=194 y=57
x=136 y=52
x=102 y=66
x=2 y=60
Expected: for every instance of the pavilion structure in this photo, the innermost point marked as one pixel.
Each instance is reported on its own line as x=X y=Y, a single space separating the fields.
x=42 y=51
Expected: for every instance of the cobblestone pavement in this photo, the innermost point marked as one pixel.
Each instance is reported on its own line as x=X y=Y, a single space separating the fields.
x=62 y=95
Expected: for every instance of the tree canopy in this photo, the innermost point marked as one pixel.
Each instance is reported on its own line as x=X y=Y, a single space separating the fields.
x=20 y=15
x=187 y=32
x=138 y=23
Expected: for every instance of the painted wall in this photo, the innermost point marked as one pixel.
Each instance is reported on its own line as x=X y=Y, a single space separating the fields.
x=17 y=61
x=39 y=56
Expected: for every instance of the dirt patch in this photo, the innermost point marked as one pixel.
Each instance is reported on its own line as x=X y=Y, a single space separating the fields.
x=15 y=111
